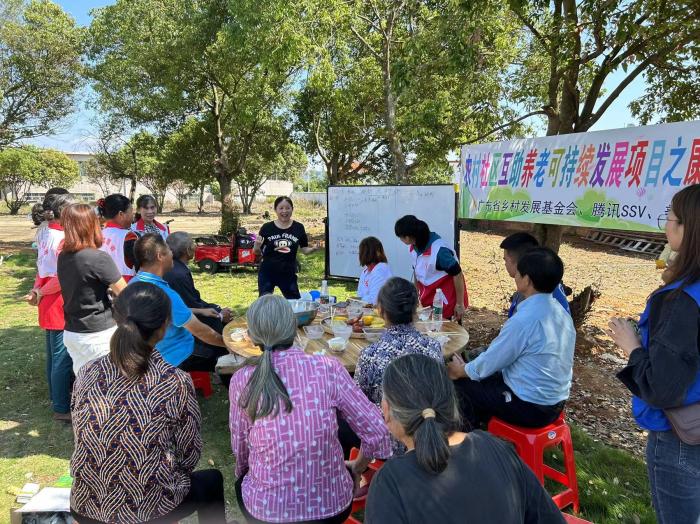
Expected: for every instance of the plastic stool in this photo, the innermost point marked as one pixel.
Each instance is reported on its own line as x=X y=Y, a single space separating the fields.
x=202 y=382
x=359 y=502
x=530 y=444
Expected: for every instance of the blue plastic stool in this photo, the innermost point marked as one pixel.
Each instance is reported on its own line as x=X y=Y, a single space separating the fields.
x=315 y=294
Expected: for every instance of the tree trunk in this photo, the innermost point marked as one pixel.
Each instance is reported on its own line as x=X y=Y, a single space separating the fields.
x=549 y=235
x=392 y=134
x=200 y=210
x=132 y=189
x=229 y=215
x=14 y=207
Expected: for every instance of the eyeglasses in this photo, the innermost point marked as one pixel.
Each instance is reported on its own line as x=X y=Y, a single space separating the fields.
x=661 y=221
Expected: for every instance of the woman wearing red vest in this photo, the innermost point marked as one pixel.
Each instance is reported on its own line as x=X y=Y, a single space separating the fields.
x=46 y=294
x=435 y=266
x=118 y=238
x=147 y=222
x=663 y=372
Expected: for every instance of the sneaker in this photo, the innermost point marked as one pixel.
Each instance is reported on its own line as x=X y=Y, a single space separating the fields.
x=63 y=417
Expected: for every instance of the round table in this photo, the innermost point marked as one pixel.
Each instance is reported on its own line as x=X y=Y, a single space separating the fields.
x=458 y=340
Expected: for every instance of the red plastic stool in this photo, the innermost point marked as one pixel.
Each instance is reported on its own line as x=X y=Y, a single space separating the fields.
x=359 y=502
x=530 y=444
x=202 y=382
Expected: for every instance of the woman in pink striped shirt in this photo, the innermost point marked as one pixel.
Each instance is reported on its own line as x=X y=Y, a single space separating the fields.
x=284 y=426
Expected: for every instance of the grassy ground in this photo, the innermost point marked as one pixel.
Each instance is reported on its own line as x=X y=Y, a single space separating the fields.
x=34 y=448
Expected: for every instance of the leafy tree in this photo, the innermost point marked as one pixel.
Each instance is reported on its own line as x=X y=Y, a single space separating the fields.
x=97 y=173
x=441 y=70
x=189 y=156
x=117 y=154
x=229 y=63
x=570 y=50
x=274 y=158
x=22 y=167
x=339 y=112
x=40 y=68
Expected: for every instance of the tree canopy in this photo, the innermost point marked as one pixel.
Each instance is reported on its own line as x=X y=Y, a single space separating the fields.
x=40 y=68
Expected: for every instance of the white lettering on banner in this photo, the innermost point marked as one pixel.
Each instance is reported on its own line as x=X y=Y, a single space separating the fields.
x=617 y=179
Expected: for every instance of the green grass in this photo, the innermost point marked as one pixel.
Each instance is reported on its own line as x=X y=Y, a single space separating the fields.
x=613 y=483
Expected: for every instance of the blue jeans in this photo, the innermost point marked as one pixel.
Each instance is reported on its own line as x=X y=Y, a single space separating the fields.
x=59 y=368
x=674 y=476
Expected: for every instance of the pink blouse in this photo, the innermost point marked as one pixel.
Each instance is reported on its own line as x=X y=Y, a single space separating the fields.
x=293 y=463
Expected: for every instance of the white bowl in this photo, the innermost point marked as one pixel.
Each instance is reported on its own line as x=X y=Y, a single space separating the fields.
x=238 y=334
x=337 y=344
x=341 y=330
x=314 y=331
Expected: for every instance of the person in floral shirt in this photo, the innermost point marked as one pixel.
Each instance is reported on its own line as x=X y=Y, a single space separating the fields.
x=397 y=303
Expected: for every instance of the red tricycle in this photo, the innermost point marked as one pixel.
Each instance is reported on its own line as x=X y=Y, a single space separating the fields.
x=213 y=252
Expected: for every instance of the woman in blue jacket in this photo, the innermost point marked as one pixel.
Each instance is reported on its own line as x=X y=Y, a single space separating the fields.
x=664 y=365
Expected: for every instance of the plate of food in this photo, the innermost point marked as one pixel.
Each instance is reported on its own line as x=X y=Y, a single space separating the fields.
x=357 y=324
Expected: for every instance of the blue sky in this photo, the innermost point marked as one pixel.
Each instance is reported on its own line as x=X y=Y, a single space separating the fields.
x=77 y=128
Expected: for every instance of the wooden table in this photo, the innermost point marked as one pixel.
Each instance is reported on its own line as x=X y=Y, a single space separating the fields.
x=458 y=339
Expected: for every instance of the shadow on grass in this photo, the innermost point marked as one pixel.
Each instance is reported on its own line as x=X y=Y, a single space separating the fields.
x=27 y=426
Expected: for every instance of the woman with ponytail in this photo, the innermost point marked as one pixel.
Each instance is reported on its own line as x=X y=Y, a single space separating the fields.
x=445 y=475
x=397 y=302
x=119 y=239
x=283 y=421
x=136 y=423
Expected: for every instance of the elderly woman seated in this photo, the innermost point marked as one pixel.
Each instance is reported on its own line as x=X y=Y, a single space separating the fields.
x=284 y=422
x=429 y=484
x=397 y=303
x=180 y=279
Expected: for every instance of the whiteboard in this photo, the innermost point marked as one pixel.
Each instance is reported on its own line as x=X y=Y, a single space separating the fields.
x=356 y=212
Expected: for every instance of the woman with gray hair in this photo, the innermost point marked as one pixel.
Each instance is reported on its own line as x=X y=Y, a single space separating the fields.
x=427 y=483
x=180 y=279
x=283 y=421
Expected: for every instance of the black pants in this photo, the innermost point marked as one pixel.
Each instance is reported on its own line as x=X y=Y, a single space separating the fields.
x=491 y=397
x=204 y=356
x=335 y=519
x=347 y=437
x=206 y=497
x=286 y=281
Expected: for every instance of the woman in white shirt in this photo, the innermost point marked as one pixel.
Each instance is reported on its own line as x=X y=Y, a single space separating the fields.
x=375 y=270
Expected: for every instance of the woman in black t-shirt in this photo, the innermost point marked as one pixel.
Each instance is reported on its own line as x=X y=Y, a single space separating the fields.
x=86 y=274
x=447 y=476
x=278 y=242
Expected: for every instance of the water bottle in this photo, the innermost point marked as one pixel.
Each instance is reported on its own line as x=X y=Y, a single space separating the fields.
x=324 y=298
x=438 y=302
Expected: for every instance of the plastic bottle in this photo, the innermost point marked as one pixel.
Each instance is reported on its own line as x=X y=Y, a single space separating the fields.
x=438 y=303
x=324 y=298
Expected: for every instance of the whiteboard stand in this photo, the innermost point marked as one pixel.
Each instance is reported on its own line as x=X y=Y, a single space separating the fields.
x=427 y=202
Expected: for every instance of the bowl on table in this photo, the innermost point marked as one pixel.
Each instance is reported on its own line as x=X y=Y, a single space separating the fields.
x=337 y=344
x=314 y=331
x=304 y=310
x=340 y=329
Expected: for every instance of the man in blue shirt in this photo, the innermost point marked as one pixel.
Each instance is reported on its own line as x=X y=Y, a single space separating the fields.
x=178 y=347
x=524 y=376
x=515 y=246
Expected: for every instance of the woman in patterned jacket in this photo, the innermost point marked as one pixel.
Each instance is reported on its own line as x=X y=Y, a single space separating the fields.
x=397 y=303
x=136 y=423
